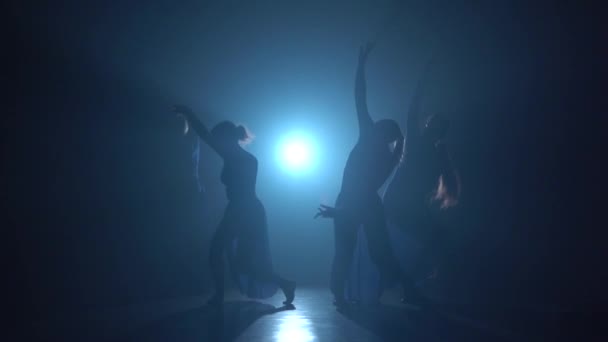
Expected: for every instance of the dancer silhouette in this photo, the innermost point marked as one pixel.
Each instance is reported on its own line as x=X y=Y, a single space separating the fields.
x=242 y=233
x=425 y=180
x=378 y=150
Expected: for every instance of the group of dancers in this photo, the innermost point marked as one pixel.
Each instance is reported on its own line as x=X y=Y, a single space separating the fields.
x=424 y=177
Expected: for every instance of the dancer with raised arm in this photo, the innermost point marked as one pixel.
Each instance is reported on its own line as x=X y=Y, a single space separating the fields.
x=242 y=233
x=378 y=151
x=424 y=180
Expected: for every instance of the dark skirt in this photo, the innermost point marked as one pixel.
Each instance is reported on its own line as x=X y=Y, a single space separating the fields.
x=248 y=250
x=364 y=283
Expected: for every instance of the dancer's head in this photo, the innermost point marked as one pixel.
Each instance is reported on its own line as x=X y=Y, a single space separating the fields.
x=436 y=127
x=229 y=135
x=387 y=131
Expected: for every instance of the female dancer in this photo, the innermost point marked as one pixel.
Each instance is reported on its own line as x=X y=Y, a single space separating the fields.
x=425 y=179
x=242 y=232
x=369 y=164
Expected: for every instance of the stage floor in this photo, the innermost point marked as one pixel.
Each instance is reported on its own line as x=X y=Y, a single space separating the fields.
x=312 y=318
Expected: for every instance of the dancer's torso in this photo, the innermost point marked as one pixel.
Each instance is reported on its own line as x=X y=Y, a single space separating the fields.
x=368 y=166
x=239 y=177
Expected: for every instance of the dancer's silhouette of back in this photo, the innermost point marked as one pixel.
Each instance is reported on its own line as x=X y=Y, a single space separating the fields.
x=242 y=232
x=424 y=180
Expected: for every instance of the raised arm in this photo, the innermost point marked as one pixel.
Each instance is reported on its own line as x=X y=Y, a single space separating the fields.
x=365 y=120
x=413 y=116
x=196 y=124
x=413 y=119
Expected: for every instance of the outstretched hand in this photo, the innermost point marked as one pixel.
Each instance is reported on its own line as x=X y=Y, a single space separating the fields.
x=185 y=113
x=364 y=51
x=326 y=211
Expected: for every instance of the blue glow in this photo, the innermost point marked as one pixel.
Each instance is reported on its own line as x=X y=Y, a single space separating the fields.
x=294 y=328
x=297 y=153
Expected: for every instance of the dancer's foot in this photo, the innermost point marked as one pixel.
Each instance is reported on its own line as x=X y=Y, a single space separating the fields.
x=289 y=289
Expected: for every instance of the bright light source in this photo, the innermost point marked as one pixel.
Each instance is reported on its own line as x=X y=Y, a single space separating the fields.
x=296 y=153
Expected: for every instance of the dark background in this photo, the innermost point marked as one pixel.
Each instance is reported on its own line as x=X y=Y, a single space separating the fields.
x=98 y=194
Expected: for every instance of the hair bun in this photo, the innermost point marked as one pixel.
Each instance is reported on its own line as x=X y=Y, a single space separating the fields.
x=241 y=133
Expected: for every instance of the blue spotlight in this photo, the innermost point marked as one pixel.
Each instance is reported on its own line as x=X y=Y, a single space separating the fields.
x=296 y=153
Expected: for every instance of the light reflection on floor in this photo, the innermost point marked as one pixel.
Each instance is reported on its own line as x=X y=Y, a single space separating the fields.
x=312 y=318
x=294 y=327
